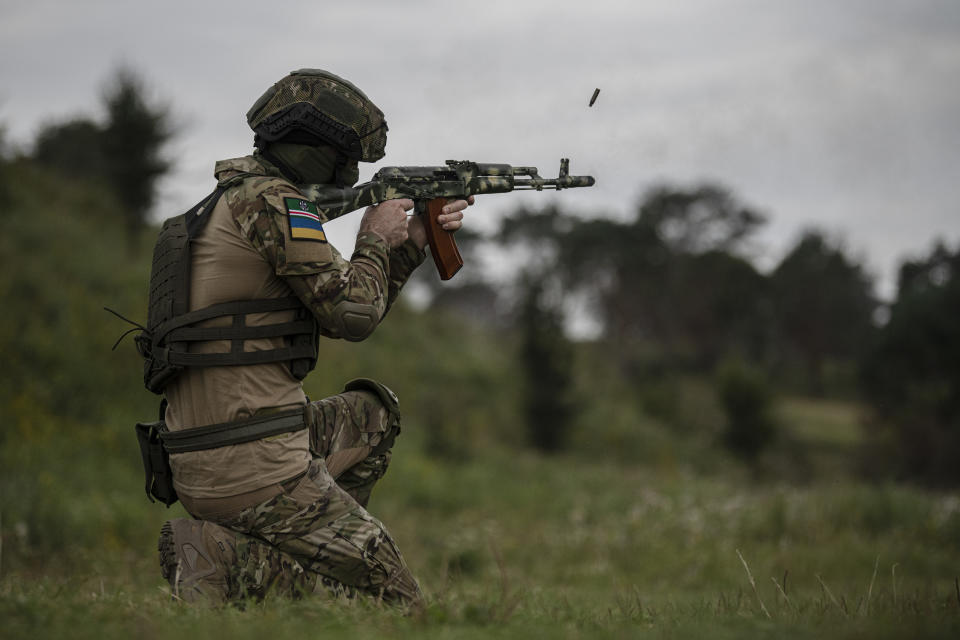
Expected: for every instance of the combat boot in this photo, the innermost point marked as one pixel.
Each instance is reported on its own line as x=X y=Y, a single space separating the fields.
x=195 y=558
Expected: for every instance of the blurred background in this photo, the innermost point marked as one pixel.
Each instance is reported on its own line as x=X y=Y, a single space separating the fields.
x=745 y=335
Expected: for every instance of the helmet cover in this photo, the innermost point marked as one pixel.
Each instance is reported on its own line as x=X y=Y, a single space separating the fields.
x=313 y=106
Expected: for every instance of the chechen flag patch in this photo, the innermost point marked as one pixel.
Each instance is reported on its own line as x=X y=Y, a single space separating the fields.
x=304 y=220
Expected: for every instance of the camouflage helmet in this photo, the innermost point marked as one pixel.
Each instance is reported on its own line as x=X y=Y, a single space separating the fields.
x=312 y=106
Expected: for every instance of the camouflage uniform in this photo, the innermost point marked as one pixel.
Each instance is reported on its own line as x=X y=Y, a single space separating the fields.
x=313 y=533
x=316 y=536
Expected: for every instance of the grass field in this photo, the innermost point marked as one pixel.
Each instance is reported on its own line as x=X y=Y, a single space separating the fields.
x=517 y=545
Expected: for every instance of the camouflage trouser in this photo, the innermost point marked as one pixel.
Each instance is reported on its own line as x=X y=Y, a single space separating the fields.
x=317 y=536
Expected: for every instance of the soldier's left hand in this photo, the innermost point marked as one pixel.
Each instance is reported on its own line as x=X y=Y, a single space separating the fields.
x=450 y=219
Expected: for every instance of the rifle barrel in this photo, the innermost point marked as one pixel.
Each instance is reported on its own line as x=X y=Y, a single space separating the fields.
x=565 y=182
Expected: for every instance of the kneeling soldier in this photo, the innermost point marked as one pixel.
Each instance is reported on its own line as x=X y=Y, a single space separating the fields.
x=243 y=285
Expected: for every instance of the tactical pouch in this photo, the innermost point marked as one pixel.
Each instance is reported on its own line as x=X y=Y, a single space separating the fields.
x=158 y=479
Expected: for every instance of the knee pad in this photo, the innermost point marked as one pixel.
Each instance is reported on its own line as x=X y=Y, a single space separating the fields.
x=382 y=391
x=390 y=402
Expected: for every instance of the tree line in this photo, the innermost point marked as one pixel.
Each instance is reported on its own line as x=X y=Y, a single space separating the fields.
x=672 y=288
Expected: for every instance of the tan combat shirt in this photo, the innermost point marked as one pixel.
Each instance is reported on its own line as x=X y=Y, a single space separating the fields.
x=246 y=252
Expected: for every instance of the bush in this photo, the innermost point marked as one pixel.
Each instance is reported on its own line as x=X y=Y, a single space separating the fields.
x=747 y=400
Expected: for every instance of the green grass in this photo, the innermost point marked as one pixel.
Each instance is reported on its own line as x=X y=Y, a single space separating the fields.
x=516 y=545
x=830 y=422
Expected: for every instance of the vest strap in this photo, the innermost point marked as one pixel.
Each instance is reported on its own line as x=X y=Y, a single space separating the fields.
x=197 y=334
x=230 y=358
x=237 y=307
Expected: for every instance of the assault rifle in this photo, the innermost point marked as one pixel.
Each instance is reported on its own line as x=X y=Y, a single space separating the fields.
x=431 y=187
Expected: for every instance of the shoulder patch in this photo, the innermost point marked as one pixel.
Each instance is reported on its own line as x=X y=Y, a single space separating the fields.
x=304 y=220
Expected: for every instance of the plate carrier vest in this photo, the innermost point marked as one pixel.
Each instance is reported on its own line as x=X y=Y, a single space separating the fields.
x=171 y=327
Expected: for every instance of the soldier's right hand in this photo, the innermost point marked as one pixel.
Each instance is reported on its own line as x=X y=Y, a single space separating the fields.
x=388 y=220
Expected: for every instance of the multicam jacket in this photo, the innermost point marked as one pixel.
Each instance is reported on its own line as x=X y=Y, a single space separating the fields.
x=263 y=240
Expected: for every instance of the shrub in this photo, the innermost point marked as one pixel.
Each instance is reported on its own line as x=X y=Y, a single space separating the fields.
x=746 y=398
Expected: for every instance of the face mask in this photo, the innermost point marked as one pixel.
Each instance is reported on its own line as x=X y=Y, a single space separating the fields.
x=306 y=164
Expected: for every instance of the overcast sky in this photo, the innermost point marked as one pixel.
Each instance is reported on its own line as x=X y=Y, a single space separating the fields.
x=839 y=114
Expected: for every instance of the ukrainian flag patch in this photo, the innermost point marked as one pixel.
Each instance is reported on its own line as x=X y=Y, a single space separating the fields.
x=304 y=220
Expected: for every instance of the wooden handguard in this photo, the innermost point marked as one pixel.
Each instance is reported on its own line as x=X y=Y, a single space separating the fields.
x=443 y=247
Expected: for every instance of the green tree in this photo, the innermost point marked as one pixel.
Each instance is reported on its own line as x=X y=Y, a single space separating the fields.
x=824 y=305
x=672 y=278
x=911 y=376
x=73 y=148
x=125 y=152
x=133 y=138
x=546 y=358
x=704 y=218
